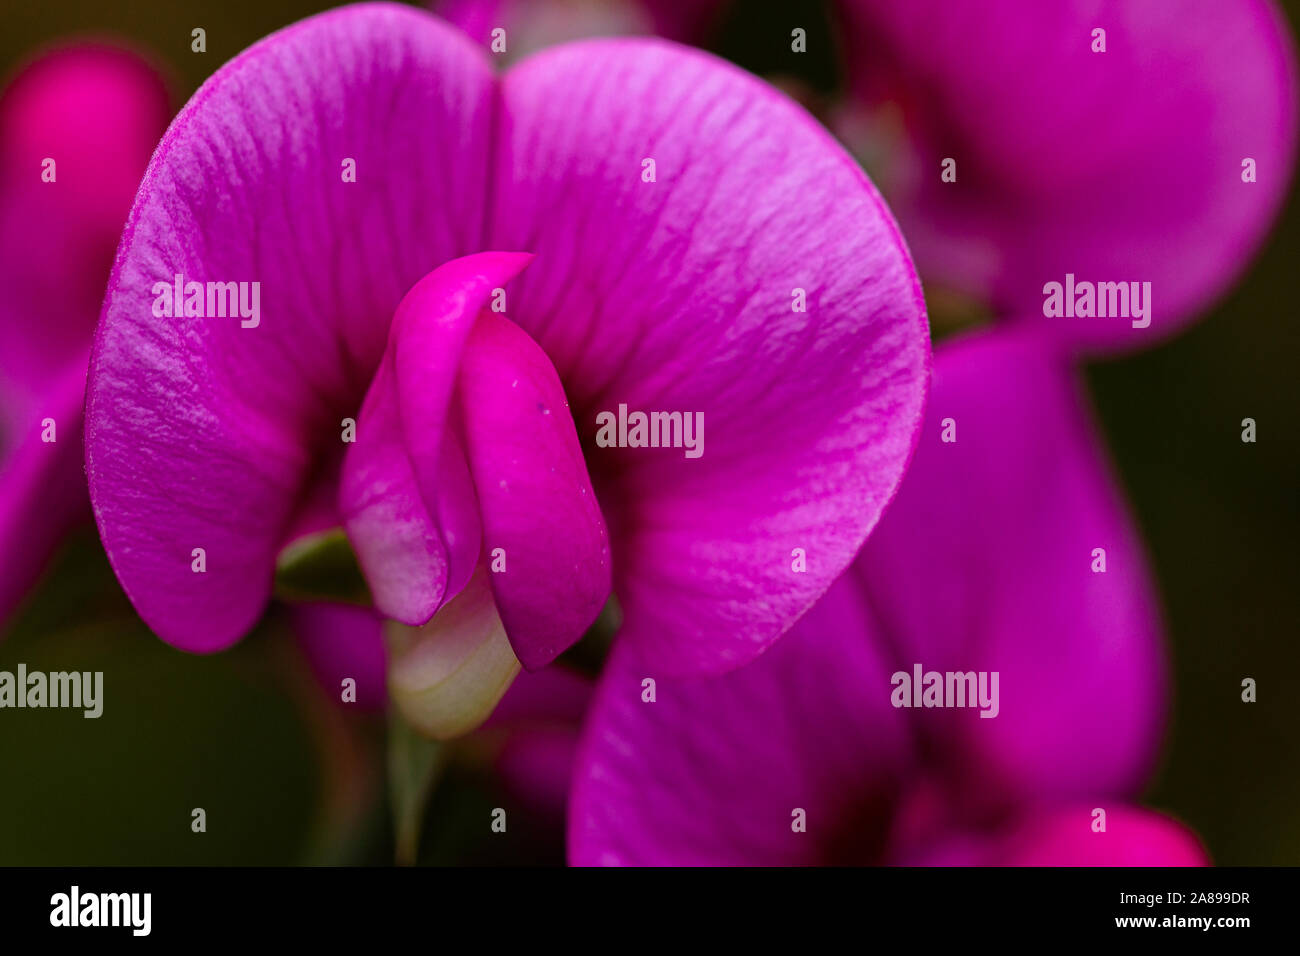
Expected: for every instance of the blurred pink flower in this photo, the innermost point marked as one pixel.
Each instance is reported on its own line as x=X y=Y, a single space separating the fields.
x=1116 y=166
x=76 y=128
x=984 y=563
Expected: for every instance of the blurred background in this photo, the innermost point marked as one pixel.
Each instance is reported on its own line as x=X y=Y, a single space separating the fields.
x=286 y=777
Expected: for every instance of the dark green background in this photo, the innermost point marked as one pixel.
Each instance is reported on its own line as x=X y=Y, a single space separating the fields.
x=242 y=734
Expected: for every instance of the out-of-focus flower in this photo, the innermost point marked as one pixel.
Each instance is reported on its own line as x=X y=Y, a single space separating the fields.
x=696 y=245
x=1122 y=141
x=76 y=129
x=985 y=563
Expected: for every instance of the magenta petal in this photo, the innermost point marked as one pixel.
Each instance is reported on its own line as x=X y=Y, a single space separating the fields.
x=1133 y=837
x=1063 y=835
x=431 y=329
x=680 y=295
x=984 y=562
x=42 y=489
x=342 y=642
x=97 y=112
x=1117 y=166
x=406 y=493
x=534 y=493
x=714 y=770
x=403 y=551
x=202 y=433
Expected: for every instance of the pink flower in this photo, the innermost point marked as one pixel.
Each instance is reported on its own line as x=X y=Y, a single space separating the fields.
x=673 y=215
x=76 y=129
x=1156 y=150
x=985 y=564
